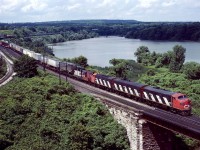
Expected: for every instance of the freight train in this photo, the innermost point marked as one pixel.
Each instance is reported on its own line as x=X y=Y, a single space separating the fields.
x=154 y=96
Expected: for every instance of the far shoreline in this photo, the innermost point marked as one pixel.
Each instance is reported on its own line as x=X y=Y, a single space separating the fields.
x=108 y=47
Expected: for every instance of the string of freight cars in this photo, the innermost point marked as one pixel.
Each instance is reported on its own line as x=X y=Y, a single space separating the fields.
x=167 y=100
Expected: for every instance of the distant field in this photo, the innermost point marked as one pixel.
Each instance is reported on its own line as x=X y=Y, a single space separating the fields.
x=6 y=31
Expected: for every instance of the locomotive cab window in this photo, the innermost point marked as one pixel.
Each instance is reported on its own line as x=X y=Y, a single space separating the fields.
x=182 y=97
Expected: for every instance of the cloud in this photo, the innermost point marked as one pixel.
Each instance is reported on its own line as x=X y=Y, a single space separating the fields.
x=74 y=6
x=10 y=4
x=169 y=3
x=142 y=10
x=106 y=3
x=34 y=5
x=146 y=3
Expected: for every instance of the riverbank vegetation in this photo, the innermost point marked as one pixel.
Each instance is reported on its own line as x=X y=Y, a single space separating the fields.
x=121 y=68
x=81 y=60
x=3 y=67
x=38 y=113
x=80 y=29
x=35 y=36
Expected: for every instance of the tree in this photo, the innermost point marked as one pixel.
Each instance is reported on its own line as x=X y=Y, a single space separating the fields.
x=121 y=70
x=164 y=60
x=192 y=70
x=25 y=67
x=114 y=61
x=177 y=59
x=81 y=60
x=153 y=58
x=79 y=137
x=141 y=52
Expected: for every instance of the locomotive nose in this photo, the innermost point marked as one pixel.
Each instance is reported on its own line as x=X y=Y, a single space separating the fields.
x=187 y=104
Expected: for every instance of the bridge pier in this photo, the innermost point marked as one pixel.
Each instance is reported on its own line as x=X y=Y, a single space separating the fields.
x=142 y=135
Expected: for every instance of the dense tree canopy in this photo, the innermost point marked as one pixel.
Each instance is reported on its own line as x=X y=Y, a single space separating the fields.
x=192 y=70
x=38 y=113
x=125 y=69
x=81 y=60
x=25 y=67
x=173 y=59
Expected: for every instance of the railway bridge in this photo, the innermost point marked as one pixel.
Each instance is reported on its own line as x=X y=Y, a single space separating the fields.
x=147 y=127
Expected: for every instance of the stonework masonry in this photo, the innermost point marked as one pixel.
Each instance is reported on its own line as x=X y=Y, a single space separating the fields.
x=142 y=135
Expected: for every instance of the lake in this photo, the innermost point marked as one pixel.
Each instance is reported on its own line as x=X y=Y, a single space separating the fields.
x=100 y=50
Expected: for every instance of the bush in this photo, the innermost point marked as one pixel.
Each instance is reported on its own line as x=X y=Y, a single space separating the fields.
x=192 y=70
x=151 y=72
x=64 y=119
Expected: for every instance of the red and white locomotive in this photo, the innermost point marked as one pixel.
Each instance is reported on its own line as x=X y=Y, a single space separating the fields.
x=176 y=102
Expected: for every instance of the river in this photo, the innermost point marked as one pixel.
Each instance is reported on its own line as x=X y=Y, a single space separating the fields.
x=100 y=50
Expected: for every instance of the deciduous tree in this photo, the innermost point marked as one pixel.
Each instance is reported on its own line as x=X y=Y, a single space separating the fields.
x=177 y=59
x=141 y=52
x=192 y=70
x=25 y=67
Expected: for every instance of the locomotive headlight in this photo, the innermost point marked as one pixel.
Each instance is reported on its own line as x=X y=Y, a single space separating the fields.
x=187 y=107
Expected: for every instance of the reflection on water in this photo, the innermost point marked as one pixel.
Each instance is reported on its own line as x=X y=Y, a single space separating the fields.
x=100 y=50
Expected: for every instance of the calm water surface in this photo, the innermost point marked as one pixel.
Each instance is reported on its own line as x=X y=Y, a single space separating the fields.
x=100 y=50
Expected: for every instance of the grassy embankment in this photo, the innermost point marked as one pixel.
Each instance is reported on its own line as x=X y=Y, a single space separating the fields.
x=38 y=113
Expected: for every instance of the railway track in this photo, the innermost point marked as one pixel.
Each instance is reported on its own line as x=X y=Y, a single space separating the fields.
x=188 y=125
x=9 y=73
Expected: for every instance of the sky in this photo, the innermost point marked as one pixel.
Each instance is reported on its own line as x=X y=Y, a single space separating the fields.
x=12 y=11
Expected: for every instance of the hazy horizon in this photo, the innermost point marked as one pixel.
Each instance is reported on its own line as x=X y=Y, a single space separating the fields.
x=92 y=20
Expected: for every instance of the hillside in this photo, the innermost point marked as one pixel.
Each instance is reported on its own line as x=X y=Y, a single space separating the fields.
x=37 y=113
